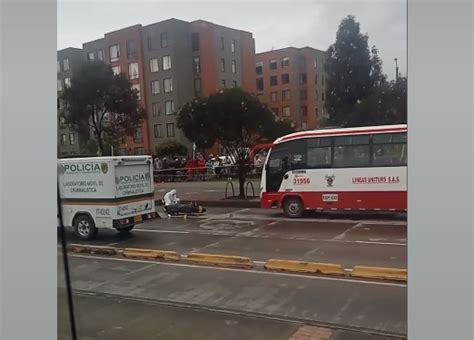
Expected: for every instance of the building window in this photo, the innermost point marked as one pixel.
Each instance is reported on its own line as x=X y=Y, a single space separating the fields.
x=136 y=87
x=60 y=85
x=66 y=64
x=223 y=83
x=234 y=83
x=222 y=43
x=116 y=70
x=197 y=85
x=196 y=64
x=322 y=96
x=259 y=84
x=72 y=140
x=304 y=125
x=169 y=107
x=259 y=68
x=315 y=63
x=154 y=65
x=322 y=79
x=90 y=56
x=67 y=82
x=131 y=49
x=157 y=131
x=285 y=95
x=276 y=111
x=273 y=80
x=286 y=111
x=234 y=66
x=232 y=46
x=303 y=94
x=114 y=53
x=285 y=78
x=166 y=62
x=316 y=79
x=63 y=139
x=164 y=39
x=273 y=96
x=139 y=151
x=273 y=64
x=59 y=66
x=62 y=122
x=155 y=87
x=133 y=70
x=168 y=85
x=195 y=41
x=100 y=55
x=316 y=111
x=170 y=130
x=138 y=136
x=156 y=109
x=303 y=78
x=304 y=111
x=222 y=65
x=285 y=62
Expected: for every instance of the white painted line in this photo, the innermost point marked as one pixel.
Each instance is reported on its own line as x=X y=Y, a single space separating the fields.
x=323 y=278
x=343 y=234
x=228 y=233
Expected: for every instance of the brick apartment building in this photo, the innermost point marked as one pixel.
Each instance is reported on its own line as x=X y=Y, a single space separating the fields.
x=169 y=63
x=69 y=60
x=291 y=81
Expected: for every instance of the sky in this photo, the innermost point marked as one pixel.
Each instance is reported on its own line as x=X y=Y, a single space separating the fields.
x=274 y=24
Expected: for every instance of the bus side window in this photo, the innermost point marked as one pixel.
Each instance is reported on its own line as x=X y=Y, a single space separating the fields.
x=319 y=152
x=389 y=149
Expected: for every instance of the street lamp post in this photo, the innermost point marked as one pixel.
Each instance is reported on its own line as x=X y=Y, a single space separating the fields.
x=396 y=70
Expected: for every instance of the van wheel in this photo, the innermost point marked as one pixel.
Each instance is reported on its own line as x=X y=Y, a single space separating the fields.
x=293 y=207
x=84 y=227
x=125 y=230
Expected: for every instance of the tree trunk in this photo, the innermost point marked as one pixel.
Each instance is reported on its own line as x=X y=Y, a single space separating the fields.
x=242 y=174
x=100 y=144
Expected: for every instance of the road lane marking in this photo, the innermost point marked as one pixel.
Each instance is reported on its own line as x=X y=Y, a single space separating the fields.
x=123 y=275
x=323 y=278
x=244 y=234
x=343 y=234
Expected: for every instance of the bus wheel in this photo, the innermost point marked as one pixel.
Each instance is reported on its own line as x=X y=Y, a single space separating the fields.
x=84 y=227
x=125 y=230
x=293 y=207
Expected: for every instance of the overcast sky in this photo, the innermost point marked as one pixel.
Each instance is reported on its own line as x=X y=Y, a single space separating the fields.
x=274 y=24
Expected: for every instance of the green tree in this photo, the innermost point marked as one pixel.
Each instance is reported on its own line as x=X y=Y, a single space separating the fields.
x=108 y=144
x=171 y=149
x=234 y=119
x=102 y=103
x=349 y=71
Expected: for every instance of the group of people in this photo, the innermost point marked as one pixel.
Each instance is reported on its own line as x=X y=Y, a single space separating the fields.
x=201 y=167
x=177 y=168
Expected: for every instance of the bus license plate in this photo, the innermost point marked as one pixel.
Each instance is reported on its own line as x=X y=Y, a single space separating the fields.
x=330 y=197
x=138 y=218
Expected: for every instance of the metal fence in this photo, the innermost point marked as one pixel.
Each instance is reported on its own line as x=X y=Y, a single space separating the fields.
x=202 y=173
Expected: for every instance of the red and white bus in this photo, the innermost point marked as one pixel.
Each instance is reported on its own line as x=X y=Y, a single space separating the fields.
x=363 y=168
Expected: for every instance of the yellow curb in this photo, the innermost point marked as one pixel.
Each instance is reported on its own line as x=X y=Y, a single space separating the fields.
x=304 y=267
x=150 y=254
x=220 y=260
x=82 y=248
x=380 y=273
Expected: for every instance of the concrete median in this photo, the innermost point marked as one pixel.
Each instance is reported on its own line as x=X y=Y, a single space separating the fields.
x=304 y=267
x=88 y=249
x=380 y=273
x=220 y=260
x=151 y=254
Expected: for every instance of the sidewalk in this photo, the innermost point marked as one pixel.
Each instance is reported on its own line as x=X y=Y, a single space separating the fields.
x=105 y=317
x=211 y=193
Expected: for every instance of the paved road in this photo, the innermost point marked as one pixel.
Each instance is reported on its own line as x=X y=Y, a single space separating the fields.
x=203 y=190
x=135 y=319
x=264 y=234
x=330 y=301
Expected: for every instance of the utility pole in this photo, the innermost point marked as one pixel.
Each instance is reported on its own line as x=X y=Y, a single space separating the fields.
x=396 y=70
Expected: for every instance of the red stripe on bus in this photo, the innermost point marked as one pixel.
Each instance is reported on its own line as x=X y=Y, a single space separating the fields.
x=354 y=200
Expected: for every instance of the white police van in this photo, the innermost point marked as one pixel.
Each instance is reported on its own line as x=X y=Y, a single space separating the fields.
x=106 y=192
